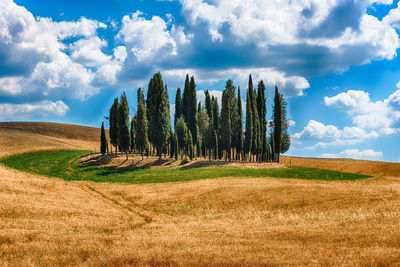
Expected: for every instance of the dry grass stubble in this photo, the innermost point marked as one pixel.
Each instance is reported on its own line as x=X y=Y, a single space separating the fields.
x=47 y=221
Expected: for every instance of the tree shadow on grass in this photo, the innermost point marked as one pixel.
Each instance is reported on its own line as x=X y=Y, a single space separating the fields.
x=118 y=170
x=204 y=163
x=98 y=160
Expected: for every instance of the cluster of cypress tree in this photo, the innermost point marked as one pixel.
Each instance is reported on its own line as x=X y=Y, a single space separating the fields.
x=200 y=130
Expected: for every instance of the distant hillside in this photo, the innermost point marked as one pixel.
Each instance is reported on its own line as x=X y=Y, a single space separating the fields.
x=17 y=137
x=70 y=131
x=369 y=167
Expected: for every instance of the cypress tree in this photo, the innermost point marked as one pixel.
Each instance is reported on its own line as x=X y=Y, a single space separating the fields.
x=215 y=142
x=215 y=110
x=158 y=113
x=256 y=127
x=123 y=125
x=285 y=143
x=232 y=100
x=262 y=113
x=203 y=122
x=181 y=131
x=167 y=115
x=113 y=118
x=141 y=127
x=171 y=144
x=133 y=133
x=103 y=140
x=272 y=145
x=176 y=146
x=209 y=138
x=190 y=144
x=277 y=118
x=178 y=106
x=239 y=127
x=208 y=103
x=226 y=124
x=192 y=110
x=248 y=141
x=139 y=95
x=185 y=98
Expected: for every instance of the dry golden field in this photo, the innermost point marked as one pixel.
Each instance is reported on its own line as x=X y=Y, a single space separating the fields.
x=48 y=221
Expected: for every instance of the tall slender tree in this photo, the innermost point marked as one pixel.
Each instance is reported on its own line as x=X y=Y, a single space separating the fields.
x=208 y=103
x=226 y=124
x=277 y=118
x=185 y=98
x=178 y=106
x=133 y=133
x=192 y=110
x=202 y=122
x=190 y=144
x=248 y=141
x=232 y=100
x=285 y=143
x=103 y=140
x=180 y=131
x=176 y=149
x=141 y=126
x=215 y=110
x=166 y=118
x=123 y=125
x=172 y=145
x=158 y=113
x=140 y=95
x=215 y=142
x=239 y=127
x=262 y=113
x=256 y=128
x=113 y=119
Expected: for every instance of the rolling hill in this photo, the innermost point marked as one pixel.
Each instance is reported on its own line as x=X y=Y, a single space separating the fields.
x=229 y=221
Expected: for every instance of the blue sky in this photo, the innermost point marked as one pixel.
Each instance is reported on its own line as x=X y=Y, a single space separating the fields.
x=336 y=61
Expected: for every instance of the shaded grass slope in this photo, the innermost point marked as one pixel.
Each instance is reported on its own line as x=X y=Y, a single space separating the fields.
x=66 y=165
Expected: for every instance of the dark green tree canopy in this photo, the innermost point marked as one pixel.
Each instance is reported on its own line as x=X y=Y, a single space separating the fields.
x=191 y=120
x=158 y=113
x=208 y=103
x=226 y=121
x=103 y=140
x=141 y=126
x=178 y=106
x=185 y=98
x=248 y=141
x=133 y=133
x=113 y=119
x=262 y=113
x=277 y=119
x=215 y=115
x=239 y=124
x=181 y=130
x=123 y=125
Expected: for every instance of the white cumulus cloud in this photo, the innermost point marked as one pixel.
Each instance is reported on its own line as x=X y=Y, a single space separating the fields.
x=355 y=154
x=289 y=85
x=23 y=111
x=382 y=116
x=150 y=39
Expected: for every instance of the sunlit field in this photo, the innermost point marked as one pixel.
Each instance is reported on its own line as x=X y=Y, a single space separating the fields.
x=68 y=166
x=231 y=220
